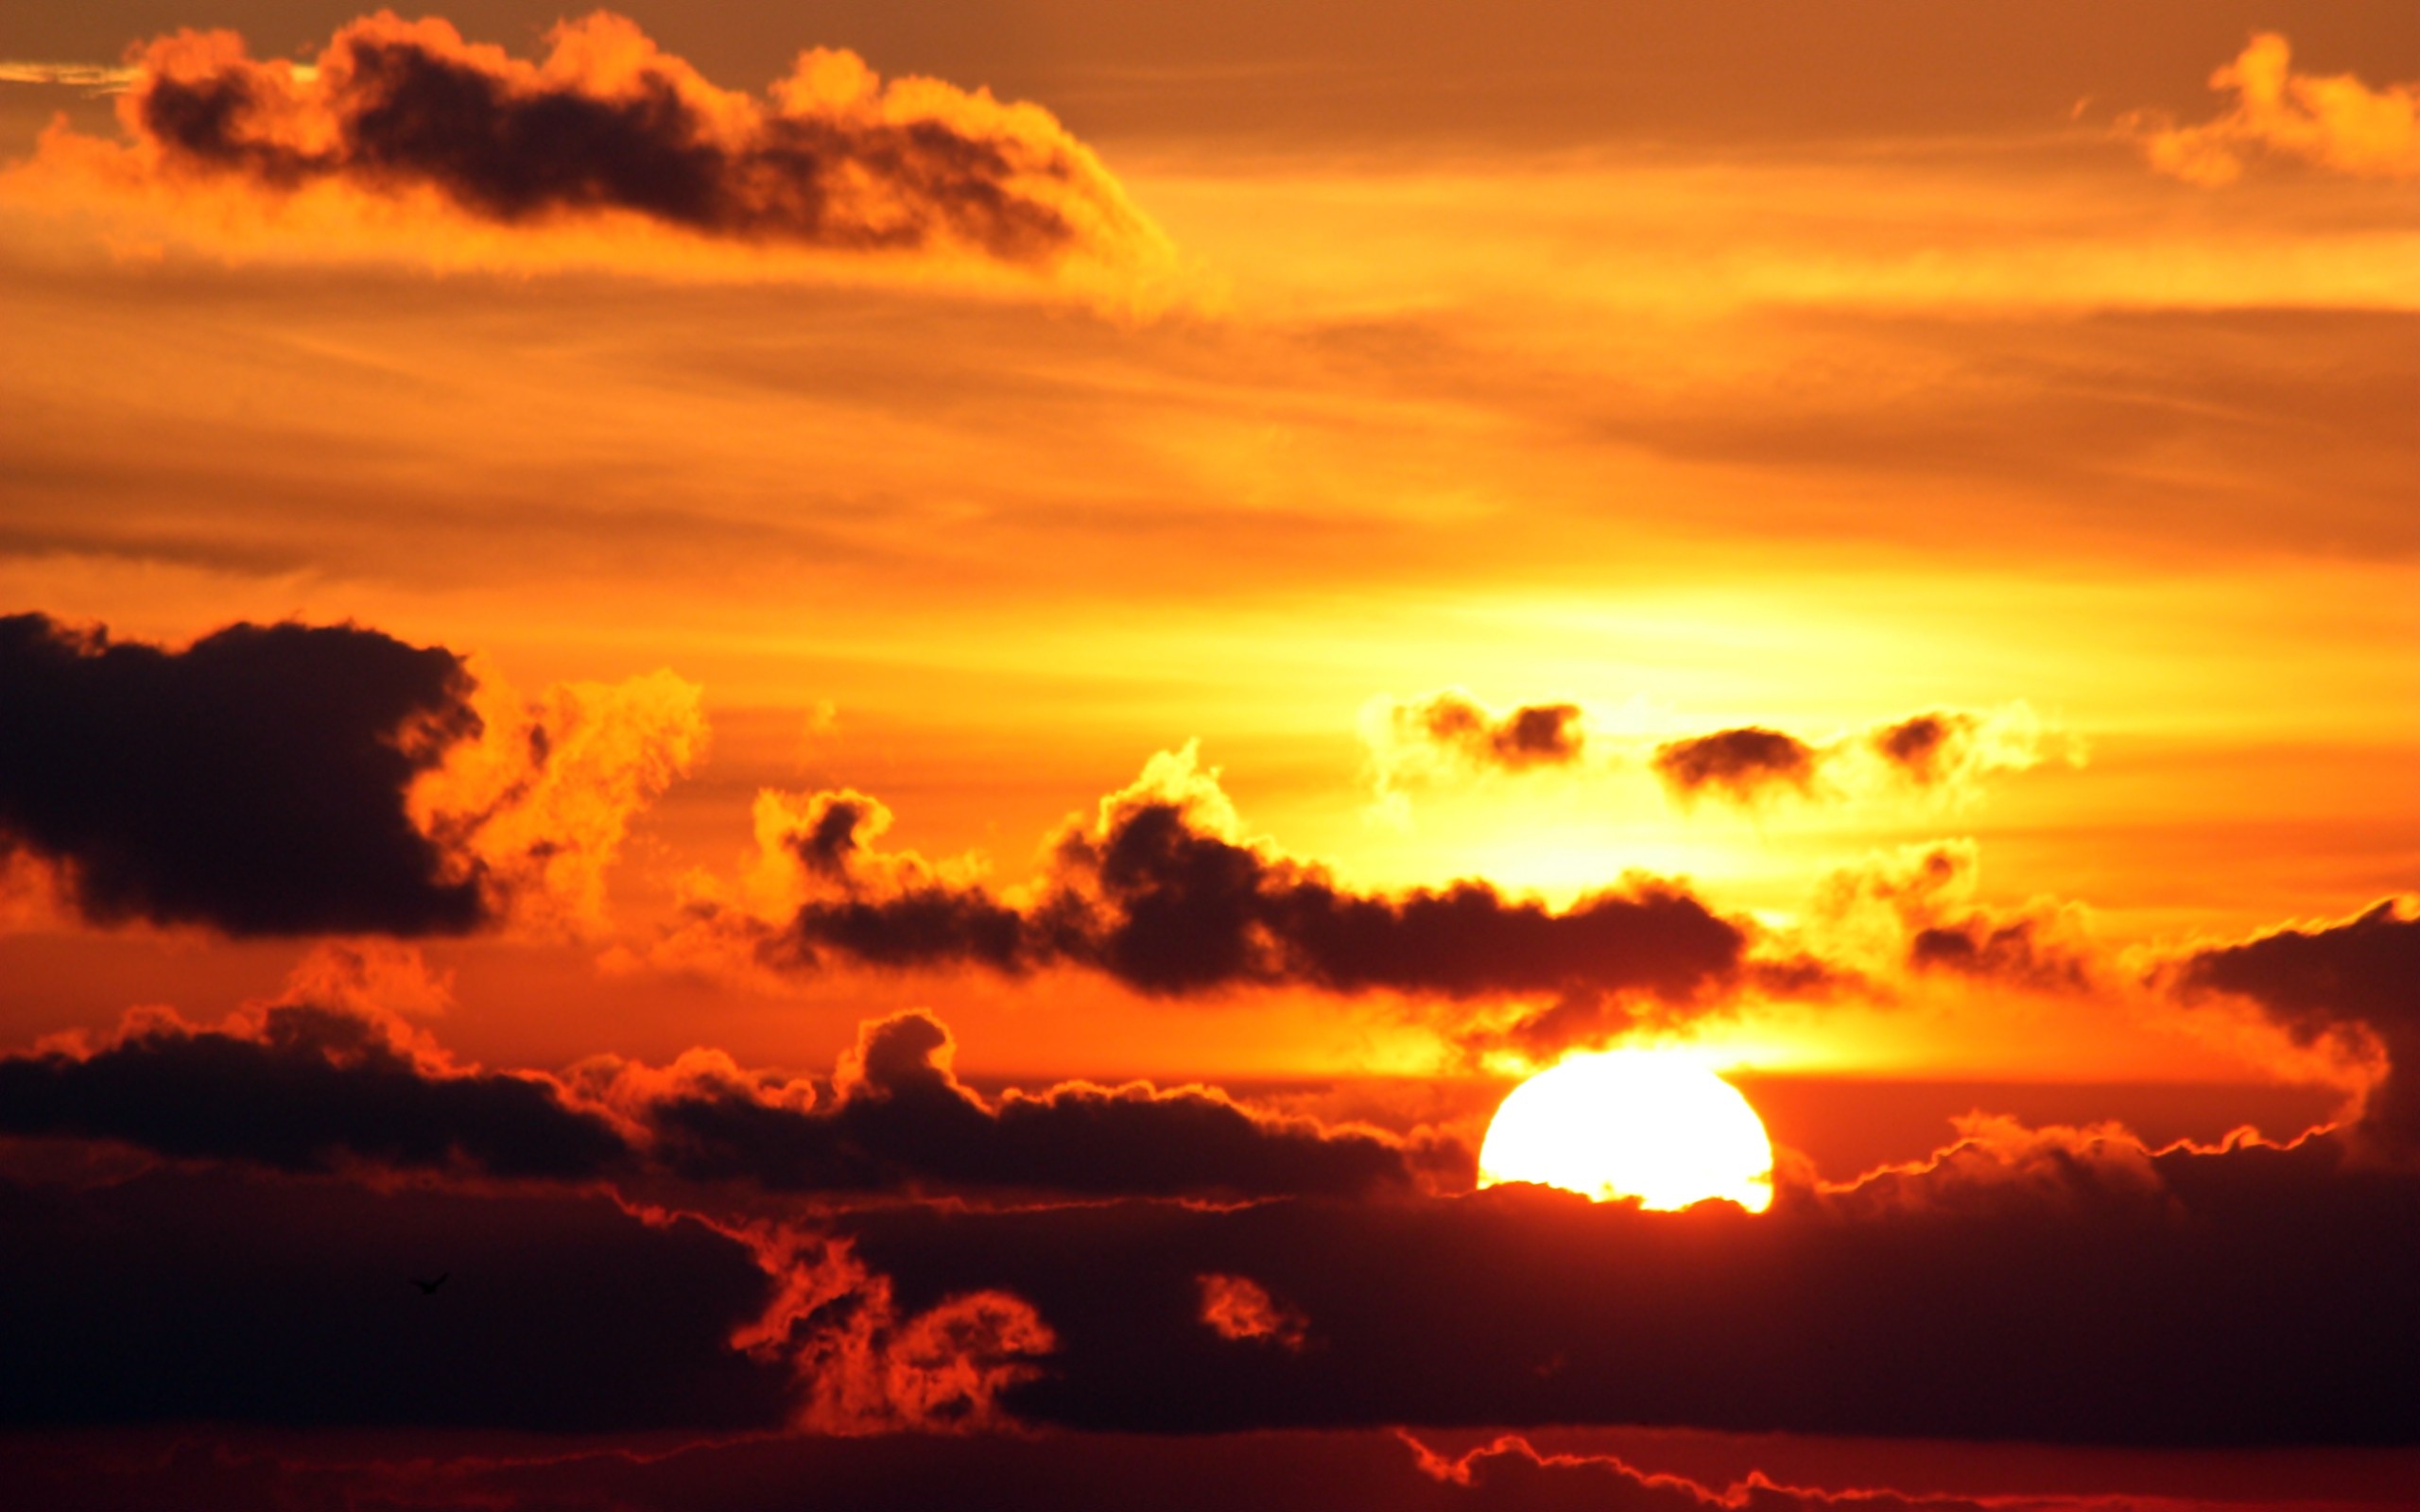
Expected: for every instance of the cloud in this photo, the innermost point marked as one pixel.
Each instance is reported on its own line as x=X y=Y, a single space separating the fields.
x=1915 y=909
x=1239 y=1309
x=93 y=78
x=1743 y=764
x=1163 y=893
x=899 y=1121
x=315 y=1083
x=2055 y=1285
x=253 y=781
x=607 y=128
x=1945 y=753
x=2334 y=121
x=185 y=1296
x=297 y=780
x=2354 y=982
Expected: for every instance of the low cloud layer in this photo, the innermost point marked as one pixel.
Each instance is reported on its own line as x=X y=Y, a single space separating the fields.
x=285 y=780
x=2334 y=121
x=302 y=1085
x=410 y=115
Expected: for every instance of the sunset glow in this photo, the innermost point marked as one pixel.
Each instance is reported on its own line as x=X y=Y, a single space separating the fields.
x=1639 y=1123
x=1354 y=756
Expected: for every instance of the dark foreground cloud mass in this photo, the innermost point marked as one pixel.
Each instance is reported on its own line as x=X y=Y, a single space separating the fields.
x=2050 y=1286
x=255 y=781
x=2057 y=1288
x=606 y=123
x=307 y=1088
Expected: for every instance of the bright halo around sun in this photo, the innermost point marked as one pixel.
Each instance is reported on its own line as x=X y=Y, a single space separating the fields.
x=1645 y=1123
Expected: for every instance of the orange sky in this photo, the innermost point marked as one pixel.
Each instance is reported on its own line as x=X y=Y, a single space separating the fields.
x=1805 y=406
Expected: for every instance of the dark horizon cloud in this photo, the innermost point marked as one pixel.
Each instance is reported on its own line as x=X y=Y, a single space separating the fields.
x=255 y=781
x=310 y=1087
x=607 y=124
x=2054 y=1287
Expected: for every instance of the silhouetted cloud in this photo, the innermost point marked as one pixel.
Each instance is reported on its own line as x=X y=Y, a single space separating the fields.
x=312 y=1089
x=608 y=125
x=296 y=779
x=187 y=1297
x=306 y=1087
x=2054 y=1285
x=901 y=1121
x=1745 y=764
x=2359 y=976
x=1164 y=894
x=254 y=782
x=2335 y=122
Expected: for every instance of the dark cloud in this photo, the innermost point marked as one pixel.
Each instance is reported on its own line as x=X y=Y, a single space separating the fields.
x=254 y=782
x=2028 y=950
x=2362 y=975
x=902 y=1122
x=1157 y=897
x=1924 y=746
x=1744 y=764
x=1545 y=734
x=312 y=1088
x=182 y=1296
x=607 y=124
x=2052 y=1287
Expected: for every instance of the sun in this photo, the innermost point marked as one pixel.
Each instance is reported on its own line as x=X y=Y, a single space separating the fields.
x=1645 y=1123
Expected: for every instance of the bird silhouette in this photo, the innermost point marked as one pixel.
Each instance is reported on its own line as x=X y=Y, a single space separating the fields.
x=429 y=1288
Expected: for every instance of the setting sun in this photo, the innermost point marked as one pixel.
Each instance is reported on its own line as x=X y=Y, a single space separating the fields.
x=1642 y=1123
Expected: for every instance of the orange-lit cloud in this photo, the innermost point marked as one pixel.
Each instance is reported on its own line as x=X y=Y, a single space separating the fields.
x=1945 y=753
x=1240 y=1308
x=2334 y=121
x=428 y=134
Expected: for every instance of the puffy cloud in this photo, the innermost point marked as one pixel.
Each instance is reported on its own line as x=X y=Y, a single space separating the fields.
x=1915 y=909
x=253 y=781
x=2335 y=122
x=1164 y=893
x=900 y=1120
x=296 y=779
x=410 y=117
x=1240 y=1309
x=1942 y=752
x=2352 y=982
x=1743 y=764
x=316 y=1085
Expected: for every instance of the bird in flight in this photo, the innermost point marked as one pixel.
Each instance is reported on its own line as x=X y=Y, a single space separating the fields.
x=429 y=1288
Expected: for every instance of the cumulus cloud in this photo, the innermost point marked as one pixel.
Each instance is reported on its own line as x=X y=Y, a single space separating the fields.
x=1743 y=764
x=607 y=128
x=1162 y=892
x=297 y=780
x=1240 y=1309
x=1915 y=909
x=2353 y=983
x=2334 y=121
x=314 y=1082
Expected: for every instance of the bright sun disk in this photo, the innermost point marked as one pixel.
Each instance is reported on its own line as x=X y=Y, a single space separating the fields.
x=1645 y=1123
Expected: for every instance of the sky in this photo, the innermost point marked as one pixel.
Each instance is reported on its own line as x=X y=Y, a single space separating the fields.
x=890 y=724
